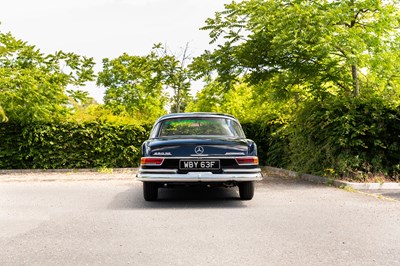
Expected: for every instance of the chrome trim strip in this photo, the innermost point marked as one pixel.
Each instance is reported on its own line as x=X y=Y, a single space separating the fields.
x=206 y=157
x=238 y=170
x=198 y=177
x=174 y=171
x=165 y=171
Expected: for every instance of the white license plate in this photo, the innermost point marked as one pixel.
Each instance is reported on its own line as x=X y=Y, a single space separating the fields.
x=199 y=164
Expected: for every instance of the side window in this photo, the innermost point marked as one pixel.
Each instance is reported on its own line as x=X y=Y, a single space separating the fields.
x=237 y=129
x=154 y=131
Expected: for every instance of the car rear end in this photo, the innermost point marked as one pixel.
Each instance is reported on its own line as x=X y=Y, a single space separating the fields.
x=211 y=159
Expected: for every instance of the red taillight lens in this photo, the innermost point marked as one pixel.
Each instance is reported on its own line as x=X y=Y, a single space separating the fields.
x=151 y=161
x=247 y=160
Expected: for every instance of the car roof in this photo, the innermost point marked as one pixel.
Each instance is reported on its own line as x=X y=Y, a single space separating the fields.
x=197 y=114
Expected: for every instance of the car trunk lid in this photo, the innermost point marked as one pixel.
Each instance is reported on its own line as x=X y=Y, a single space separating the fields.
x=207 y=147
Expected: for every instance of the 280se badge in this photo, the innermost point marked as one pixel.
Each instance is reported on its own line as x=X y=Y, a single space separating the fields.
x=198 y=149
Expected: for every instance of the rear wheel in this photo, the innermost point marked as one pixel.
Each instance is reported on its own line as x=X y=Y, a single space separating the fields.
x=150 y=191
x=246 y=190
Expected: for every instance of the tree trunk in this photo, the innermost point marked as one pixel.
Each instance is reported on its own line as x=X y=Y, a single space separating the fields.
x=356 y=85
x=178 y=101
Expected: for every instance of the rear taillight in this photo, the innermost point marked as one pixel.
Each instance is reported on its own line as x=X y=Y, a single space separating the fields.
x=253 y=160
x=151 y=161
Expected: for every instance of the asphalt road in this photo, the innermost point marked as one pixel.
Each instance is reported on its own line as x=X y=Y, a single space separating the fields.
x=387 y=193
x=289 y=222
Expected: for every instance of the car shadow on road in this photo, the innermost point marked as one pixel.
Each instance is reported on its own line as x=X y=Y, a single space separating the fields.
x=175 y=198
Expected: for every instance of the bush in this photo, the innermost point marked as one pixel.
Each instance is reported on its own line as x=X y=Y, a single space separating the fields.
x=70 y=145
x=271 y=139
x=346 y=138
x=101 y=144
x=349 y=138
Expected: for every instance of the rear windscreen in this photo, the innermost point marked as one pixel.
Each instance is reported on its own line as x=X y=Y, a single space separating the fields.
x=200 y=127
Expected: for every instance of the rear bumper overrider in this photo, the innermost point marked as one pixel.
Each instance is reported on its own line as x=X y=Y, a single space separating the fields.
x=165 y=175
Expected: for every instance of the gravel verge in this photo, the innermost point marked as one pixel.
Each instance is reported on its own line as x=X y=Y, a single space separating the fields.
x=67 y=175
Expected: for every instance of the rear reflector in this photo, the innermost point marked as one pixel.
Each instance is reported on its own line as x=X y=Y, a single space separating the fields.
x=247 y=160
x=151 y=161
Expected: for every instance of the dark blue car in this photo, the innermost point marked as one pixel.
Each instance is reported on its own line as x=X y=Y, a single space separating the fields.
x=198 y=149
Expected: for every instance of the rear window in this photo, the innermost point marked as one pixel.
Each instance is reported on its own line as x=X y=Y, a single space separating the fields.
x=209 y=126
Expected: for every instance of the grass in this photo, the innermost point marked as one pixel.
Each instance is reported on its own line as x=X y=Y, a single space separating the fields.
x=105 y=170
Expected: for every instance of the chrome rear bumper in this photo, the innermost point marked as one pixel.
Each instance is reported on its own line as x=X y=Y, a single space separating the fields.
x=172 y=176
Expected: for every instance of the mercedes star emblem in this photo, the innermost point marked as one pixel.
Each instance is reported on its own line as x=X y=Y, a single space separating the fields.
x=199 y=150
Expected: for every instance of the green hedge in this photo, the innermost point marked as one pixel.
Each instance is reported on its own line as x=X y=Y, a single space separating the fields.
x=92 y=145
x=70 y=145
x=350 y=138
x=271 y=139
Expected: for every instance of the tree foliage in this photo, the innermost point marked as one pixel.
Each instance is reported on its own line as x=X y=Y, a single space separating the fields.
x=176 y=75
x=323 y=47
x=32 y=84
x=321 y=77
x=242 y=101
x=3 y=117
x=133 y=86
x=80 y=98
x=138 y=85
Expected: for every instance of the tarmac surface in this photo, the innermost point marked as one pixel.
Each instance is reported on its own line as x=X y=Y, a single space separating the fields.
x=102 y=219
x=388 y=193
